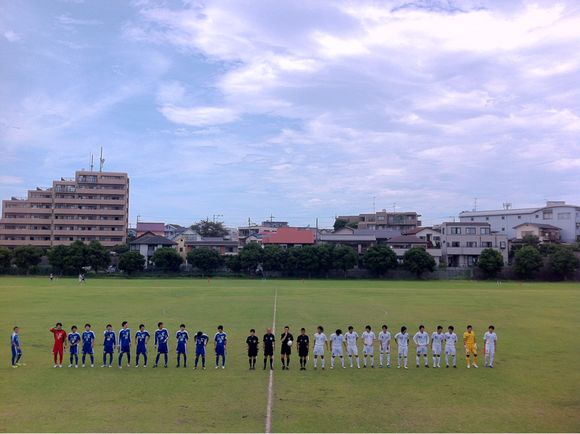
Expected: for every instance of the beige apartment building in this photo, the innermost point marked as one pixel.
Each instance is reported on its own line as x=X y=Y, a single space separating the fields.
x=90 y=206
x=402 y=222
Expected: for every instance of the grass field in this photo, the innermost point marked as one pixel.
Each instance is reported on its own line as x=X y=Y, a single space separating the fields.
x=535 y=386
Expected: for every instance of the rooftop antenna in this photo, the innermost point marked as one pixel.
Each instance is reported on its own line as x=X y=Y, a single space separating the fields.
x=507 y=205
x=101 y=161
x=271 y=218
x=475 y=204
x=92 y=165
x=394 y=207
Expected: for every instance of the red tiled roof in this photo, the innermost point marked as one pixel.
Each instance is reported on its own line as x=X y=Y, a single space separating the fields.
x=290 y=236
x=153 y=227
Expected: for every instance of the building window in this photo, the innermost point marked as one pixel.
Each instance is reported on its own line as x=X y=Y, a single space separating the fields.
x=503 y=217
x=487 y=218
x=471 y=244
x=503 y=229
x=519 y=217
x=455 y=244
x=502 y=245
x=484 y=231
x=547 y=215
x=486 y=244
x=470 y=231
x=471 y=219
x=564 y=216
x=455 y=230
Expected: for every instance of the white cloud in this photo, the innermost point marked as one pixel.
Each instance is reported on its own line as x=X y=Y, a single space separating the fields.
x=11 y=36
x=199 y=116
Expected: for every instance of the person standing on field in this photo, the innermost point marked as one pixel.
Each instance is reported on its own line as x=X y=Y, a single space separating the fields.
x=59 y=344
x=15 y=346
x=252 y=341
x=470 y=346
x=303 y=342
x=489 y=347
x=285 y=347
x=421 y=340
x=450 y=340
x=269 y=341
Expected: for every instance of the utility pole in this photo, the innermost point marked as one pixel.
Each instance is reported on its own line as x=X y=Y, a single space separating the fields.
x=101 y=161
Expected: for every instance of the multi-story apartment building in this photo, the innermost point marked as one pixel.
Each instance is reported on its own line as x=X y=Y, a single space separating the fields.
x=382 y=220
x=463 y=242
x=507 y=220
x=90 y=206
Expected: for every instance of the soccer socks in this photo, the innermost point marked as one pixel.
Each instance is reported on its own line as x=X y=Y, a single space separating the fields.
x=265 y=361
x=157 y=359
x=372 y=361
x=468 y=360
x=315 y=363
x=332 y=362
x=322 y=363
x=342 y=361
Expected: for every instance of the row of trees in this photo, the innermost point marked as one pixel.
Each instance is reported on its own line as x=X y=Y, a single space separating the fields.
x=559 y=260
x=24 y=258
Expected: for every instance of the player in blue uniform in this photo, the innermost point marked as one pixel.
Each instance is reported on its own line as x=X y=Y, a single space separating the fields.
x=125 y=343
x=109 y=346
x=73 y=339
x=201 y=340
x=88 y=338
x=220 y=342
x=141 y=339
x=161 y=338
x=15 y=346
x=182 y=337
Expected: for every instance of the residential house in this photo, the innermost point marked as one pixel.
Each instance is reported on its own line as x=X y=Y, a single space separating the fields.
x=463 y=242
x=403 y=243
x=148 y=243
x=172 y=230
x=290 y=237
x=506 y=221
x=546 y=233
x=155 y=228
x=382 y=220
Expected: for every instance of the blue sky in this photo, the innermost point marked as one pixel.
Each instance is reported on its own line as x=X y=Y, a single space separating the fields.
x=296 y=109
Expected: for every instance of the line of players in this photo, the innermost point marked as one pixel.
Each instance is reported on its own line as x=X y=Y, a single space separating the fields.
x=336 y=343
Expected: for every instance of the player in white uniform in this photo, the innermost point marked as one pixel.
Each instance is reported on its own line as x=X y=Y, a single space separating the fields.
x=351 y=348
x=402 y=339
x=421 y=340
x=336 y=341
x=437 y=339
x=385 y=344
x=490 y=345
x=450 y=341
x=369 y=339
x=320 y=343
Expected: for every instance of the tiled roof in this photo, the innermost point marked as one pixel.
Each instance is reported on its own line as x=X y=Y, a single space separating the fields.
x=406 y=239
x=153 y=227
x=151 y=239
x=290 y=236
x=540 y=225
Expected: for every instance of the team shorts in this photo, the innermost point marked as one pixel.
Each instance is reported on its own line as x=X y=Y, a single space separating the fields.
x=450 y=351
x=220 y=351
x=422 y=350
x=74 y=350
x=404 y=351
x=162 y=348
x=108 y=350
x=352 y=350
x=471 y=349
x=337 y=352
x=268 y=351
x=126 y=349
x=489 y=350
x=200 y=352
x=436 y=351
x=141 y=350
x=386 y=349
x=319 y=351
x=368 y=350
x=285 y=350
x=181 y=350
x=253 y=352
x=303 y=351
x=88 y=350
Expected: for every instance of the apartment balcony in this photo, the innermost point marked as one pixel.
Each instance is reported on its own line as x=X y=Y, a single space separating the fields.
x=25 y=220
x=16 y=243
x=85 y=233
x=472 y=251
x=25 y=232
x=27 y=210
x=44 y=200
x=76 y=211
x=71 y=201
x=102 y=190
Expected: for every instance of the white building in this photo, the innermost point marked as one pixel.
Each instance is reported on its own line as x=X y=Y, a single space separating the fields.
x=506 y=221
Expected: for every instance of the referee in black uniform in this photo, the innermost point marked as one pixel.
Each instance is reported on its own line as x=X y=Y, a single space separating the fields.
x=285 y=349
x=269 y=340
x=252 y=342
x=303 y=343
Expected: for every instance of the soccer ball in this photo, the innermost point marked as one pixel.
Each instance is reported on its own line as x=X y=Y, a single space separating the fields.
x=289 y=343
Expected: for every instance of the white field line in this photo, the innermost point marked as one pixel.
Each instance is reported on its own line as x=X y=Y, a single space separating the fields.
x=268 y=428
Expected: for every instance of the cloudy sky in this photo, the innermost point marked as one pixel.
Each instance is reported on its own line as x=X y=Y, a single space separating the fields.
x=296 y=109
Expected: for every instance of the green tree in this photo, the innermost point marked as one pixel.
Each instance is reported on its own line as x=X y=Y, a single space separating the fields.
x=250 y=257
x=379 y=259
x=325 y=254
x=345 y=258
x=120 y=248
x=303 y=260
x=167 y=259
x=26 y=257
x=57 y=258
x=527 y=261
x=562 y=262
x=206 y=259
x=76 y=257
x=339 y=224
x=131 y=262
x=490 y=262
x=274 y=258
x=233 y=263
x=5 y=259
x=97 y=256
x=208 y=228
x=418 y=261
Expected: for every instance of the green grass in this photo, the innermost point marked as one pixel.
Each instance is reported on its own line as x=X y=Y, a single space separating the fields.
x=535 y=386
